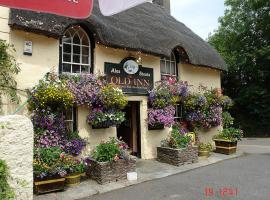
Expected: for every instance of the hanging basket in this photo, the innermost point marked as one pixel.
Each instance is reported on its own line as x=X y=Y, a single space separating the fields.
x=159 y=126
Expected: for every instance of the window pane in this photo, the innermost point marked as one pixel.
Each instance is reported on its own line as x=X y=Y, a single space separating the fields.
x=85 y=59
x=173 y=70
x=69 y=126
x=85 y=68
x=66 y=48
x=76 y=39
x=85 y=40
x=67 y=57
x=76 y=58
x=168 y=66
x=68 y=114
x=66 y=39
x=76 y=49
x=85 y=50
x=162 y=67
x=66 y=68
x=76 y=69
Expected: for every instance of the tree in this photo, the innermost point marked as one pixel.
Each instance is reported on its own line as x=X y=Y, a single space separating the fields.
x=8 y=68
x=243 y=39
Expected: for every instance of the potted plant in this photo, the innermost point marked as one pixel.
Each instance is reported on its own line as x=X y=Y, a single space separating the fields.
x=49 y=170
x=204 y=149
x=177 y=149
x=100 y=118
x=110 y=162
x=75 y=169
x=226 y=140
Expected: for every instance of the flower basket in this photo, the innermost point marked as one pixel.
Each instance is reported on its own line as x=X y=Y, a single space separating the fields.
x=159 y=126
x=51 y=185
x=105 y=172
x=73 y=180
x=177 y=157
x=225 y=146
x=204 y=154
x=100 y=126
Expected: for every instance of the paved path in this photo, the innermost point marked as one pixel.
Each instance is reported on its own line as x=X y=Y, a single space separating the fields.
x=246 y=177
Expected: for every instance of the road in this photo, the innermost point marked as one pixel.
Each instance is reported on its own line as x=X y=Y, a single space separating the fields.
x=245 y=178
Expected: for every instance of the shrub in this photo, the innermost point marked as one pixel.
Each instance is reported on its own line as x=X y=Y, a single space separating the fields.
x=5 y=190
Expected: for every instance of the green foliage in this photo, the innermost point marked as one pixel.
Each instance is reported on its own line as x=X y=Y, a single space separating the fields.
x=230 y=134
x=8 y=68
x=243 y=39
x=178 y=138
x=106 y=151
x=227 y=119
x=113 y=97
x=50 y=93
x=6 y=193
x=205 y=146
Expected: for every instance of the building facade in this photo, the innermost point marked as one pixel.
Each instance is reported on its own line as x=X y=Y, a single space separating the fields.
x=147 y=34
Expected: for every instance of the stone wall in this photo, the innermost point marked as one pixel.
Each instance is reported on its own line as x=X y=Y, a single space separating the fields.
x=16 y=148
x=178 y=157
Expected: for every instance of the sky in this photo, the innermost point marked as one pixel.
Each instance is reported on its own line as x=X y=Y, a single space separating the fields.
x=201 y=16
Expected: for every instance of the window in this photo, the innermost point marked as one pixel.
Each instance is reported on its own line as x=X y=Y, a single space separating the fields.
x=70 y=117
x=76 y=51
x=178 y=112
x=168 y=67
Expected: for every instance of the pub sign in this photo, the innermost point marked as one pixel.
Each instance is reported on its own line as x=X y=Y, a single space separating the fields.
x=131 y=77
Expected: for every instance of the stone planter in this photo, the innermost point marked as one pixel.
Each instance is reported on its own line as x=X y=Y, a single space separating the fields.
x=156 y=127
x=46 y=186
x=73 y=180
x=225 y=147
x=105 y=172
x=177 y=157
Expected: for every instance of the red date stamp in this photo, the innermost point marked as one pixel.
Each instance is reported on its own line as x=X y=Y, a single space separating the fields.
x=222 y=192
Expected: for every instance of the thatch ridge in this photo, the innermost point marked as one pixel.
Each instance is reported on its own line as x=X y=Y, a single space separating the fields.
x=147 y=28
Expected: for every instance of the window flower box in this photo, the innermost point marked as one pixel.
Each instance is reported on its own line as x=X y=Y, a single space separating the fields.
x=50 y=185
x=178 y=157
x=225 y=146
x=158 y=126
x=105 y=172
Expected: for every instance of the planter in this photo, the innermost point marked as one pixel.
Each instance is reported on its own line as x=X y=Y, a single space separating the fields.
x=225 y=147
x=46 y=186
x=177 y=157
x=205 y=154
x=73 y=180
x=105 y=172
x=156 y=127
x=100 y=126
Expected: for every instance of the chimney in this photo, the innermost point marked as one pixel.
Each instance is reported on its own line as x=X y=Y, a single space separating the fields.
x=164 y=3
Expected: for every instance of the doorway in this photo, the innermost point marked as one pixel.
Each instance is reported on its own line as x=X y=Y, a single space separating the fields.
x=129 y=130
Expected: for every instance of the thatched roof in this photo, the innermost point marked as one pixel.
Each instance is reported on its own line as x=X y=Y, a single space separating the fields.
x=147 y=28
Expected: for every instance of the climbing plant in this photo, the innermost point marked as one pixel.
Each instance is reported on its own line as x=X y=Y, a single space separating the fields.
x=6 y=192
x=8 y=68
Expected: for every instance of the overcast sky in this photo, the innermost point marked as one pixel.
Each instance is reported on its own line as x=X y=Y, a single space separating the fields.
x=201 y=16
